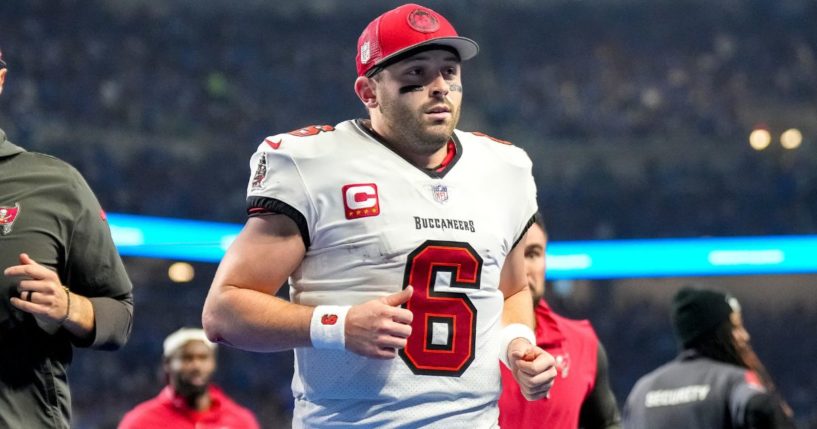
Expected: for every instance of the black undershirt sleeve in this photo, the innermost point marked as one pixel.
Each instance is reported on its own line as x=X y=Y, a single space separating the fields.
x=261 y=206
x=599 y=409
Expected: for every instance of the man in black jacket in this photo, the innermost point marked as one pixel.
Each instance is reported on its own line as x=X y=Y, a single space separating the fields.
x=63 y=284
x=717 y=380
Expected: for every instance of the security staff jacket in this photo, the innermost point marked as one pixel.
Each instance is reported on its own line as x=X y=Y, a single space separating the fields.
x=695 y=392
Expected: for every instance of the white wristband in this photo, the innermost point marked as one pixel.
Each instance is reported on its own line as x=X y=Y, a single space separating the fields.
x=510 y=333
x=327 y=329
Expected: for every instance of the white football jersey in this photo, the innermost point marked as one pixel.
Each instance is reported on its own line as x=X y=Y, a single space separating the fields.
x=373 y=224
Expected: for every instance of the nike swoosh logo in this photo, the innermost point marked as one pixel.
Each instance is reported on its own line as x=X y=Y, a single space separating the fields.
x=273 y=144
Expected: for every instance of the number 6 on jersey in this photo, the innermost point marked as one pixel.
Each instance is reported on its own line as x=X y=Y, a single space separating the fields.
x=444 y=327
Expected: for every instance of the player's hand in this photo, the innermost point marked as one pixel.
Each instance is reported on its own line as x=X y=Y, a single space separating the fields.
x=41 y=293
x=379 y=327
x=533 y=368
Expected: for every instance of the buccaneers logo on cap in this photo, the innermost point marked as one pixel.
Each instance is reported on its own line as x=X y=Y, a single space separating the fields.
x=423 y=21
x=7 y=217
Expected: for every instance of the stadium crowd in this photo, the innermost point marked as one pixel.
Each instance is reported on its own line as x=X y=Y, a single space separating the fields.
x=637 y=116
x=187 y=93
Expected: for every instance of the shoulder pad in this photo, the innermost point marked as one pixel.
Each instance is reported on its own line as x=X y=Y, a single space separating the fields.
x=275 y=141
x=479 y=134
x=311 y=130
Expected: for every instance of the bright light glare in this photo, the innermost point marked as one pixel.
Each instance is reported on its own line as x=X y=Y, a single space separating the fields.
x=791 y=138
x=181 y=272
x=760 y=139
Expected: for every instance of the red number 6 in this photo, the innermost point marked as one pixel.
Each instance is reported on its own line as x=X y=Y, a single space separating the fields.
x=443 y=332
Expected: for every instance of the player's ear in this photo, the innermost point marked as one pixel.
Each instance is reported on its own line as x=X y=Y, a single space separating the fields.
x=365 y=90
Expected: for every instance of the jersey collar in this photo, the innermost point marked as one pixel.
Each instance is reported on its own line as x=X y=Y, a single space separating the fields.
x=437 y=173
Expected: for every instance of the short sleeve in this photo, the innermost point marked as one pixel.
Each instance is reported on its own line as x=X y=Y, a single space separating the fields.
x=514 y=176
x=528 y=206
x=276 y=186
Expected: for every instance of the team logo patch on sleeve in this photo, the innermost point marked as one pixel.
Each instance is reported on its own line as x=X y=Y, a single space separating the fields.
x=260 y=172
x=7 y=217
x=360 y=200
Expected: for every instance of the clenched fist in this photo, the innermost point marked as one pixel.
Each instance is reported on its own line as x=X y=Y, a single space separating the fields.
x=533 y=368
x=379 y=327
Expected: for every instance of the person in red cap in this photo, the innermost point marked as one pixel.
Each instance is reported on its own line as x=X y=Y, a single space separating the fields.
x=63 y=284
x=399 y=235
x=581 y=395
x=190 y=400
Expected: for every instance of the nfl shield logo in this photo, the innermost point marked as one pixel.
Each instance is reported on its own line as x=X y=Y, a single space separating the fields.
x=7 y=217
x=365 y=53
x=440 y=193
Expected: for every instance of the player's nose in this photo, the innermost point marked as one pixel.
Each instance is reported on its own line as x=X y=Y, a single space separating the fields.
x=439 y=86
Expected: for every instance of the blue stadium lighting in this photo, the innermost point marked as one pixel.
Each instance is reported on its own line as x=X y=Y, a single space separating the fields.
x=191 y=240
x=681 y=257
x=156 y=237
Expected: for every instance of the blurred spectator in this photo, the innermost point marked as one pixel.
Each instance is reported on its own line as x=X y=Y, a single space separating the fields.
x=189 y=400
x=663 y=108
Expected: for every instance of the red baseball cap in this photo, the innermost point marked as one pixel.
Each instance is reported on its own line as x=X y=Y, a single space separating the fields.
x=404 y=29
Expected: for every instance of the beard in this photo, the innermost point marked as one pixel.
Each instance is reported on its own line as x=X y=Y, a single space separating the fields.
x=413 y=129
x=185 y=387
x=537 y=291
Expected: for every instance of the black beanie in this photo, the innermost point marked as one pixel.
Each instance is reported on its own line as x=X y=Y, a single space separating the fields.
x=696 y=312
